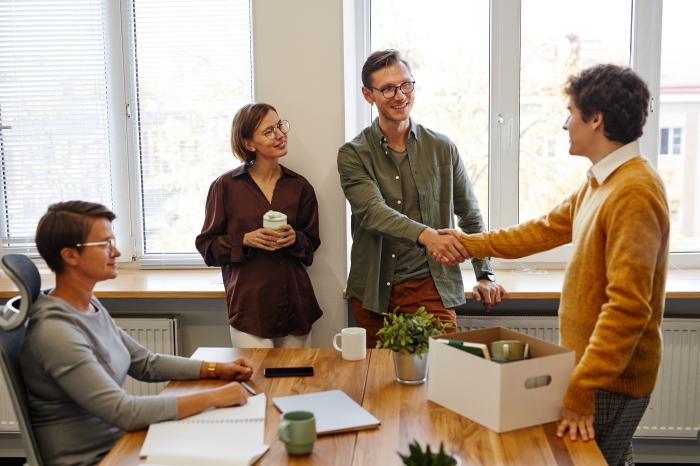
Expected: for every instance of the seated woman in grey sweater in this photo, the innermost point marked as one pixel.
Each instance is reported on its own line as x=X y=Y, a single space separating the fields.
x=75 y=359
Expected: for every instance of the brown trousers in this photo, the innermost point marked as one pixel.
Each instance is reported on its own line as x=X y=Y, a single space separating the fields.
x=408 y=296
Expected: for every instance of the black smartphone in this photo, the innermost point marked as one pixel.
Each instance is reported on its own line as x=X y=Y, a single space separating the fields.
x=305 y=371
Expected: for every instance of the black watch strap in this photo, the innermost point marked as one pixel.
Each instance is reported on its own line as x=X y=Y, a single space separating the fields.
x=487 y=276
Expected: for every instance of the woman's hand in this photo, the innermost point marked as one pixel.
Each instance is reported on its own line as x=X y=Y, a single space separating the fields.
x=240 y=369
x=231 y=394
x=262 y=238
x=288 y=236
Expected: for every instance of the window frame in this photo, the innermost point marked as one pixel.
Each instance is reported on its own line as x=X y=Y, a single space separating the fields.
x=504 y=107
x=127 y=197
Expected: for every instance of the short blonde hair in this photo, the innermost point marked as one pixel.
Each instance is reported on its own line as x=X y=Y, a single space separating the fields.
x=247 y=118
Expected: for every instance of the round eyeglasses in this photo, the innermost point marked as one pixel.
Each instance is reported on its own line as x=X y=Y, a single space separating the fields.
x=282 y=125
x=110 y=244
x=389 y=92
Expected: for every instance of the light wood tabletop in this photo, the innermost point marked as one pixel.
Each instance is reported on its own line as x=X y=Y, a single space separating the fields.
x=405 y=413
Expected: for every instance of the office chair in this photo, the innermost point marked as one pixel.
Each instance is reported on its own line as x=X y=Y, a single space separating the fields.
x=12 y=329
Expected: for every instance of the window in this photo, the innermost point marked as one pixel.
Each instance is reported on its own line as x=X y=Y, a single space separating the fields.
x=670 y=141
x=141 y=126
x=558 y=39
x=192 y=71
x=502 y=88
x=679 y=146
x=451 y=95
x=54 y=111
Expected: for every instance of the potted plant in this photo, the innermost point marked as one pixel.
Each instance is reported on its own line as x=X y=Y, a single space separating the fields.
x=407 y=335
x=419 y=457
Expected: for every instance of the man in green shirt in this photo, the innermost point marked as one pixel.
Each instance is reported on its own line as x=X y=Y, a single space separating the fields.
x=404 y=182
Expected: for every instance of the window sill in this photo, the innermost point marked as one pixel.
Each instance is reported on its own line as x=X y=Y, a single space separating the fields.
x=207 y=283
x=143 y=283
x=547 y=283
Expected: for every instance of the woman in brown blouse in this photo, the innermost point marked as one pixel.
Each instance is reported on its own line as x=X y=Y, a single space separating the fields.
x=271 y=302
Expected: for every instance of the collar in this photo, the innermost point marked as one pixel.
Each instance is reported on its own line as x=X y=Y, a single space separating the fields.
x=242 y=169
x=611 y=162
x=377 y=134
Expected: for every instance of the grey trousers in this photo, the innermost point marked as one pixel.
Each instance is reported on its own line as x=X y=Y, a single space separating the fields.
x=616 y=418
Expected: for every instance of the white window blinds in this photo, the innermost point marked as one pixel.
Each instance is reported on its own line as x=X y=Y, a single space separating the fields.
x=54 y=142
x=192 y=69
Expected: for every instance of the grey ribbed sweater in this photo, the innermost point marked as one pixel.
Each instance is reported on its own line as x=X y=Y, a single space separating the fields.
x=74 y=366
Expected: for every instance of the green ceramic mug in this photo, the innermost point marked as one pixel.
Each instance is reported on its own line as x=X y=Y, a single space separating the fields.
x=298 y=432
x=509 y=350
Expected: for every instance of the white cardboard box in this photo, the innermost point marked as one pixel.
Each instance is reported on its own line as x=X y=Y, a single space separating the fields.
x=495 y=394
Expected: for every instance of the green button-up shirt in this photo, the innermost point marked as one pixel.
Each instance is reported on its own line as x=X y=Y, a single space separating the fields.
x=371 y=184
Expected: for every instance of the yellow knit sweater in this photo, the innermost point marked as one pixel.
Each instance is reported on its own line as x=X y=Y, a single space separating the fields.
x=614 y=286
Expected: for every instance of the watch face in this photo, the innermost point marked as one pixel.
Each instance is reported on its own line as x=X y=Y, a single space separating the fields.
x=489 y=276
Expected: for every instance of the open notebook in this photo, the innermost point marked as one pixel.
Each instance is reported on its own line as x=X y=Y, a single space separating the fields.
x=231 y=436
x=334 y=411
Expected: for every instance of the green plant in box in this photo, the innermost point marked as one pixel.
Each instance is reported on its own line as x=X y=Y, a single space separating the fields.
x=408 y=333
x=419 y=457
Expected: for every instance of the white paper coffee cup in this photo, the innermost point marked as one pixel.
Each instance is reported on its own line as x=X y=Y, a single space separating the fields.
x=274 y=220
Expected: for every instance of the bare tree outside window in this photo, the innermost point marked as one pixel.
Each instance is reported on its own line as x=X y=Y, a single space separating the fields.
x=679 y=120
x=559 y=39
x=449 y=54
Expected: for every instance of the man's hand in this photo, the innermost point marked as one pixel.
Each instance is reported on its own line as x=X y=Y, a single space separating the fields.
x=489 y=293
x=576 y=424
x=444 y=248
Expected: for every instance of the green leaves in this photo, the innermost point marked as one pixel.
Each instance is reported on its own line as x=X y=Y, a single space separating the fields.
x=417 y=457
x=408 y=333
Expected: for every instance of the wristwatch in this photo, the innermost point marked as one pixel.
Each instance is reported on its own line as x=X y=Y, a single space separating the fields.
x=487 y=276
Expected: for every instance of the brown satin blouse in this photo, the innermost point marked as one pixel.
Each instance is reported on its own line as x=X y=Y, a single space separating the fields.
x=269 y=294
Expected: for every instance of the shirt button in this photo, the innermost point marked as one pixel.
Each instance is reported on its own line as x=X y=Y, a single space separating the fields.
x=393 y=256
x=397 y=177
x=388 y=283
x=399 y=202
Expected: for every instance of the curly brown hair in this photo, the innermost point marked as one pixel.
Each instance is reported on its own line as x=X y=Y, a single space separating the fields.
x=618 y=93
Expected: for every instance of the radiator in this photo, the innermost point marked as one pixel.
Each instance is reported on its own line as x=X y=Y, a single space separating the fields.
x=160 y=335
x=674 y=409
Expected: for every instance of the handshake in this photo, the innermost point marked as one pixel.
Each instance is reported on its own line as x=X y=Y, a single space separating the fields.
x=446 y=246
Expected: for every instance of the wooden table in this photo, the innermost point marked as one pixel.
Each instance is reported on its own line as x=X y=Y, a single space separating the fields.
x=405 y=413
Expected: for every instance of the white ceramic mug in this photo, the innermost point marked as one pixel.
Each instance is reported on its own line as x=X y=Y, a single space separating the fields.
x=353 y=343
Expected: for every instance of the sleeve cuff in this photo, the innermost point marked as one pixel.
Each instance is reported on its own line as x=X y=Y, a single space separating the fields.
x=482 y=267
x=474 y=245
x=580 y=401
x=413 y=231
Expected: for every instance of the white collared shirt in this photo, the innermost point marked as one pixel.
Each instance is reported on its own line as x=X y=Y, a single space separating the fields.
x=611 y=162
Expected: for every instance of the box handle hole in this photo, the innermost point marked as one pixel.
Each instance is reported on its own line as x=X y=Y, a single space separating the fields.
x=539 y=381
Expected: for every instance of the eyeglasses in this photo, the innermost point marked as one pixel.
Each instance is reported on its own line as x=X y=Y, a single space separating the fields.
x=282 y=125
x=110 y=244
x=389 y=92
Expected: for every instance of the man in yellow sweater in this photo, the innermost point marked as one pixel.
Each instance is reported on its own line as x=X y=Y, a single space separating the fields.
x=613 y=297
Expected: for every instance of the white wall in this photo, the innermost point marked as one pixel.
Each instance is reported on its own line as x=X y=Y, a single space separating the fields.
x=298 y=63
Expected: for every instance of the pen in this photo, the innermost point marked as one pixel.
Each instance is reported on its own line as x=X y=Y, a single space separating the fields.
x=249 y=388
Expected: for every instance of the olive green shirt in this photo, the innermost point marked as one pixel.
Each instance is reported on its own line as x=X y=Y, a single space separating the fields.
x=371 y=182
x=411 y=258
